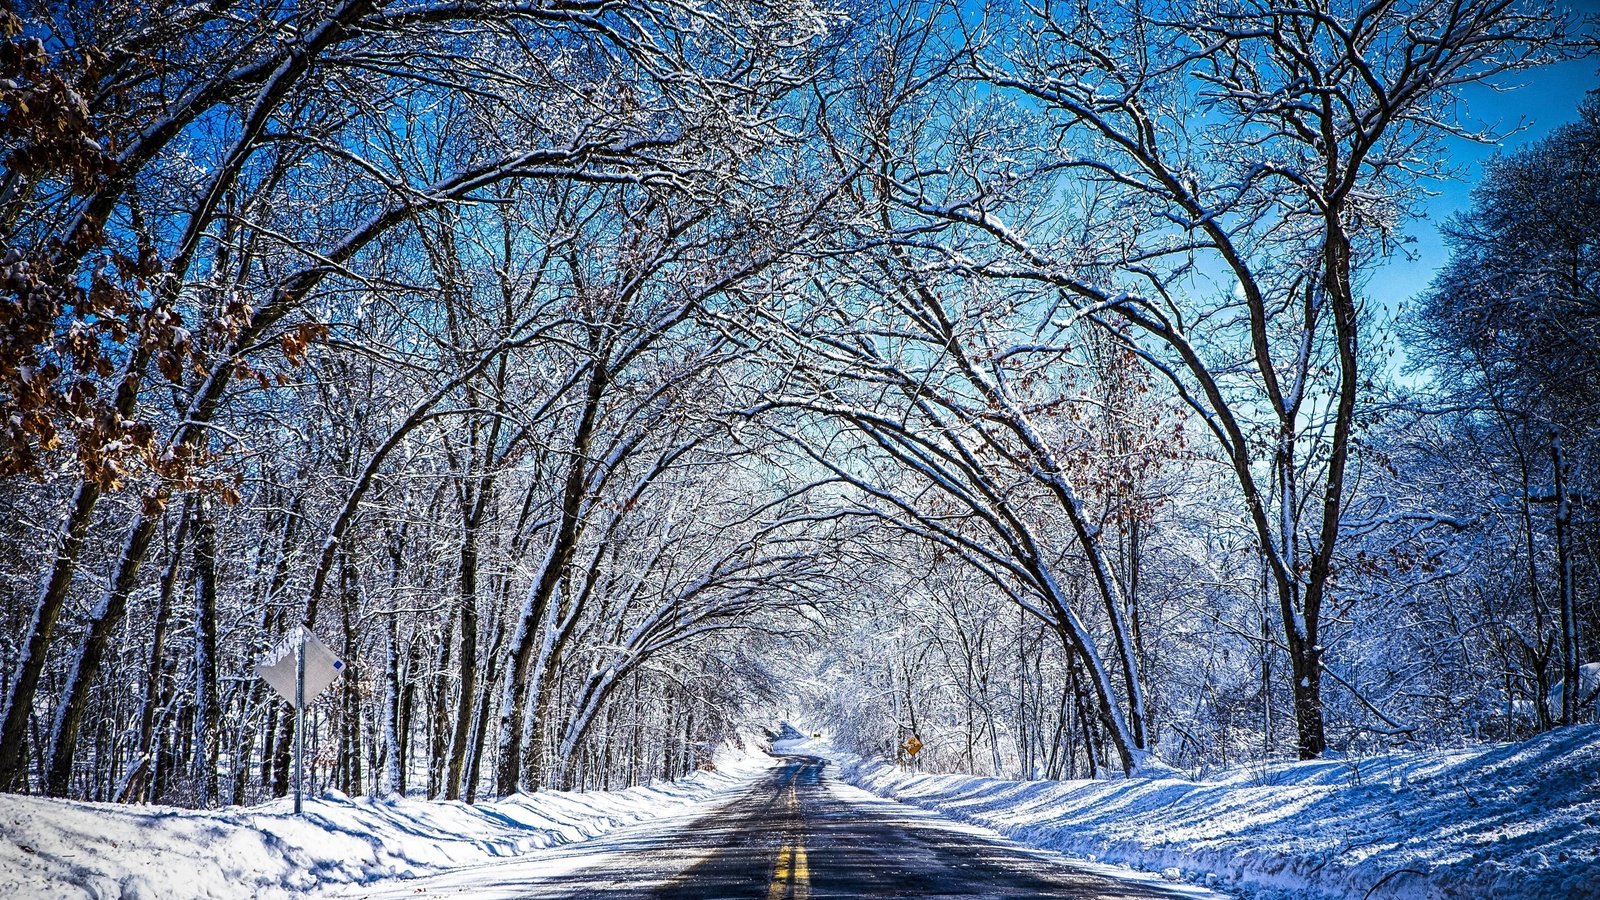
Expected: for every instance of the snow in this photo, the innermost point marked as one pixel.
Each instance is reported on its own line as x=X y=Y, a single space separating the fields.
x=1510 y=821
x=1588 y=687
x=535 y=874
x=858 y=797
x=64 y=849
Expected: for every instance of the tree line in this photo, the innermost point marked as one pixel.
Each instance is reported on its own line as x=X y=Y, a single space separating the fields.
x=583 y=371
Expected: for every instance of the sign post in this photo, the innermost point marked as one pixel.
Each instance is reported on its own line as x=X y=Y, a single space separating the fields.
x=913 y=746
x=299 y=720
x=300 y=668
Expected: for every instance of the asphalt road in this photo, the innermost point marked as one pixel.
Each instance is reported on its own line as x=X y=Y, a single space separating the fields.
x=792 y=836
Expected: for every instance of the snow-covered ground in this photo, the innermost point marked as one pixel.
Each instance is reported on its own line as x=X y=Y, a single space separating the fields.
x=1512 y=822
x=62 y=849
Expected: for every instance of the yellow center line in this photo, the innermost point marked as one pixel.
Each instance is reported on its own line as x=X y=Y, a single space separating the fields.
x=791 y=877
x=802 y=874
x=780 y=875
x=791 y=874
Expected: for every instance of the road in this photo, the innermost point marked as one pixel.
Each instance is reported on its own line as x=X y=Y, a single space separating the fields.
x=793 y=836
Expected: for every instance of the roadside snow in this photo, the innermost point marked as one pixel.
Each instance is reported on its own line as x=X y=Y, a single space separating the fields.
x=1512 y=821
x=61 y=849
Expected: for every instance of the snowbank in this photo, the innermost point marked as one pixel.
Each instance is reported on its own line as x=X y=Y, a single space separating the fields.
x=63 y=849
x=1508 y=821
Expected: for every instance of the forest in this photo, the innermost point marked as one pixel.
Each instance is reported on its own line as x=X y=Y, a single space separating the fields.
x=601 y=378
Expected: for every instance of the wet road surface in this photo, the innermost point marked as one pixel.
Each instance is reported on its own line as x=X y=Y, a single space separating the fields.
x=792 y=836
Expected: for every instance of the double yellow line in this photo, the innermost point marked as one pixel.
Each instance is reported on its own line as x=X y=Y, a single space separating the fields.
x=791 y=876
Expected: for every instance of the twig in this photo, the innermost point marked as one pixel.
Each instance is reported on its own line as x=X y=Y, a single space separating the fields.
x=1385 y=878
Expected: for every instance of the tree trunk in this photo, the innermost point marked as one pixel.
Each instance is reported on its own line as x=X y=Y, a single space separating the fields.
x=393 y=783
x=438 y=746
x=525 y=635
x=205 y=656
x=408 y=711
x=113 y=606
x=466 y=701
x=350 y=687
x=137 y=779
x=481 y=727
x=1565 y=584
x=14 y=731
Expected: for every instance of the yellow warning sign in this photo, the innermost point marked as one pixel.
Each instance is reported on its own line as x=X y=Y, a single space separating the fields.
x=913 y=745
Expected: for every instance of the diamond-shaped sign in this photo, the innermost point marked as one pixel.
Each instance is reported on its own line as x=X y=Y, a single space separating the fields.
x=322 y=667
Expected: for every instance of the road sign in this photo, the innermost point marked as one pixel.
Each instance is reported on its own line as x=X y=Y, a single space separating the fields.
x=278 y=668
x=300 y=668
x=913 y=745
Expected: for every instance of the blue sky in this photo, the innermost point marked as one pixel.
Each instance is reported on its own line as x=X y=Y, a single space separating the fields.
x=1525 y=107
